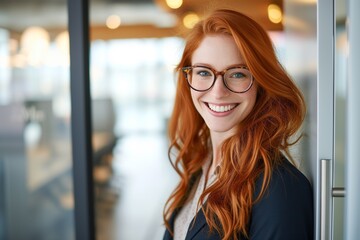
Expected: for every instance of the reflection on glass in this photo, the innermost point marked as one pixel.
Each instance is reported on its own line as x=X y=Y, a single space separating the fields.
x=36 y=196
x=132 y=85
x=341 y=55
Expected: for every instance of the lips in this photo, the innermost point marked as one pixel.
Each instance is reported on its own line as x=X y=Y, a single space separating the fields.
x=221 y=108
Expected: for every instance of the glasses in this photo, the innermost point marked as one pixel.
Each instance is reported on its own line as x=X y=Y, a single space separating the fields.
x=236 y=79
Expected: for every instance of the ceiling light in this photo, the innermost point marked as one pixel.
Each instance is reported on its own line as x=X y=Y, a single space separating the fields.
x=274 y=13
x=113 y=21
x=63 y=45
x=174 y=4
x=306 y=1
x=190 y=20
x=35 y=42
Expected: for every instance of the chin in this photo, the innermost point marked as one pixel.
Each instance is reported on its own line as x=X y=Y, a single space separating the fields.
x=223 y=130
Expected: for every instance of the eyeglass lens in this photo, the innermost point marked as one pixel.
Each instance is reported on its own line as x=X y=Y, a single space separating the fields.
x=236 y=79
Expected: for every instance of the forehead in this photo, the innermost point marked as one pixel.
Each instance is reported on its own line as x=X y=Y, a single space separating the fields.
x=218 y=51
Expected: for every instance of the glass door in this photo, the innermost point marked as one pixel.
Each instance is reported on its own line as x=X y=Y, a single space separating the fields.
x=340 y=99
x=36 y=184
x=352 y=207
x=132 y=61
x=338 y=118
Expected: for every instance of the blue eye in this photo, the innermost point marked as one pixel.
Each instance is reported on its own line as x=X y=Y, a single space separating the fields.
x=237 y=75
x=204 y=73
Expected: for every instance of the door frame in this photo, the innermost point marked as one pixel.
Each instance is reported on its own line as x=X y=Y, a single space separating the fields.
x=325 y=118
x=78 y=11
x=352 y=207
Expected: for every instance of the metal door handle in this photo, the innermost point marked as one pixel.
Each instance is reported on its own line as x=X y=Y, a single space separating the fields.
x=325 y=198
x=338 y=192
x=327 y=193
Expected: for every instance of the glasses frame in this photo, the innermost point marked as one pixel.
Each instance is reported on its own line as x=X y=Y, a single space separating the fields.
x=187 y=69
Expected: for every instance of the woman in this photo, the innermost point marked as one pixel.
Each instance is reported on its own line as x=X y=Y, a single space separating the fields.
x=235 y=112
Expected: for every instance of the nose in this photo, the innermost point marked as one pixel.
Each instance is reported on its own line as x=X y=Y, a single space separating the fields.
x=219 y=89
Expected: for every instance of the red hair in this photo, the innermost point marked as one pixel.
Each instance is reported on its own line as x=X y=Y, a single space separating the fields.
x=260 y=138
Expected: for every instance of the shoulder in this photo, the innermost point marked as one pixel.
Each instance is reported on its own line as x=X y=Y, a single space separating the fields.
x=285 y=211
x=287 y=180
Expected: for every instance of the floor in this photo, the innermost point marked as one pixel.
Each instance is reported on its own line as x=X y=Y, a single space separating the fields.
x=130 y=206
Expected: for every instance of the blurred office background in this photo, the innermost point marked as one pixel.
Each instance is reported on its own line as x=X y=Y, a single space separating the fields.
x=134 y=47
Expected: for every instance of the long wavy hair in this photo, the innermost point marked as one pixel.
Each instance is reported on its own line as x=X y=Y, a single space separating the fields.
x=261 y=138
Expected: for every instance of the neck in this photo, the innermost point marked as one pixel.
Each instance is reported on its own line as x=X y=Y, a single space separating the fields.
x=217 y=140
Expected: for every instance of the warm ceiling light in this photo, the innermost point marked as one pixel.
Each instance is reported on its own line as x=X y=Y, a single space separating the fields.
x=35 y=42
x=306 y=1
x=190 y=20
x=113 y=21
x=274 y=13
x=63 y=45
x=174 y=4
x=34 y=37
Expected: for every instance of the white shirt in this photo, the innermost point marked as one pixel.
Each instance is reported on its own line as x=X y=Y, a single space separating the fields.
x=190 y=208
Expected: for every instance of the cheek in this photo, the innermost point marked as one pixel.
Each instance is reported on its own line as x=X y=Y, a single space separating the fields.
x=195 y=99
x=252 y=96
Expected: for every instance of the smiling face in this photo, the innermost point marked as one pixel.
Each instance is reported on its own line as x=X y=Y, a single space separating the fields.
x=221 y=108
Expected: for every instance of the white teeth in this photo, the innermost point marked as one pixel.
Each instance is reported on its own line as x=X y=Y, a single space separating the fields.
x=217 y=108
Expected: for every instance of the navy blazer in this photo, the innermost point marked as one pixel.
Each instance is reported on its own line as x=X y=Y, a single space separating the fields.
x=285 y=211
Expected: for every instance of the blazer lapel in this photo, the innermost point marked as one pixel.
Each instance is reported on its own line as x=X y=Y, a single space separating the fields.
x=200 y=219
x=194 y=228
x=167 y=235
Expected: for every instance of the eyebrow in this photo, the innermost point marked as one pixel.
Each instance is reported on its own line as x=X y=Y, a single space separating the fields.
x=212 y=67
